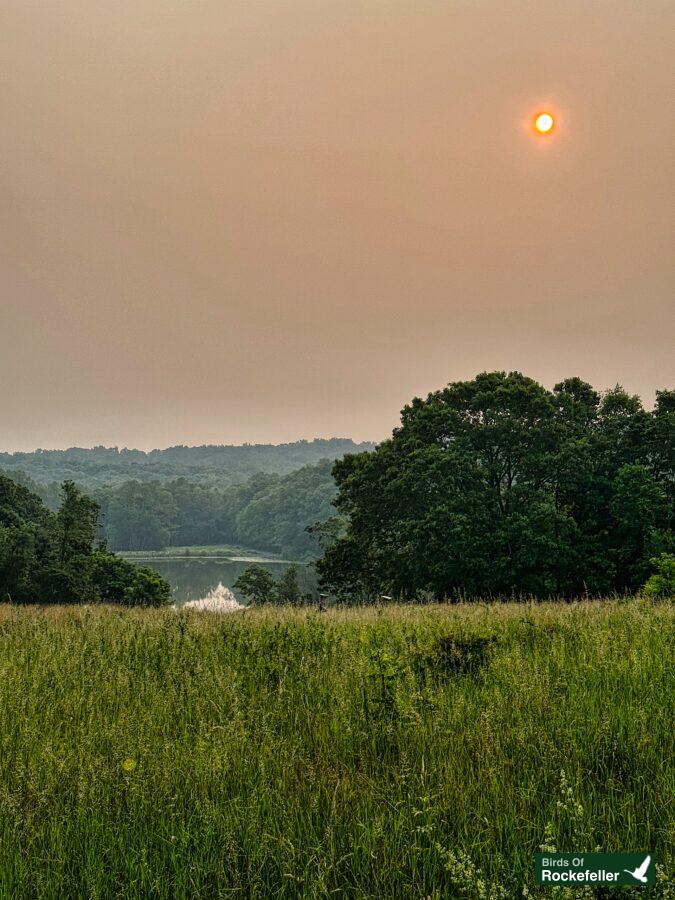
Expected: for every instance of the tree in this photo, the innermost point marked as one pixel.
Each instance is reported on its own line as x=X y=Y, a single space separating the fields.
x=18 y=562
x=112 y=576
x=497 y=486
x=256 y=584
x=118 y=581
x=288 y=588
x=139 y=516
x=76 y=520
x=639 y=508
x=75 y=523
x=53 y=557
x=147 y=588
x=456 y=500
x=268 y=511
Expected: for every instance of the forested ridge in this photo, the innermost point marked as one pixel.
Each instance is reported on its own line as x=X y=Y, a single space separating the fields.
x=267 y=512
x=211 y=465
x=261 y=496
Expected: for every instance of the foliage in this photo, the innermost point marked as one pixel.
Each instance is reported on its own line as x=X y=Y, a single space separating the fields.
x=75 y=529
x=285 y=753
x=209 y=465
x=195 y=497
x=256 y=584
x=451 y=655
x=662 y=583
x=288 y=587
x=276 y=511
x=147 y=588
x=259 y=586
x=54 y=557
x=117 y=581
x=498 y=486
x=138 y=516
x=267 y=512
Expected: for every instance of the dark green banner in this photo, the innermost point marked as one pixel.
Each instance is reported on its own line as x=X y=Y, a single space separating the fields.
x=570 y=869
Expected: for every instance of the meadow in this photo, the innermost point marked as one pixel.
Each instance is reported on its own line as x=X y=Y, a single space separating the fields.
x=407 y=751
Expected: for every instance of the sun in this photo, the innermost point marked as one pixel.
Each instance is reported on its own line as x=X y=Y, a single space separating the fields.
x=544 y=123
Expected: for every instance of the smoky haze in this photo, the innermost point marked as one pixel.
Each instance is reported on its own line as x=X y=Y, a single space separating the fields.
x=259 y=220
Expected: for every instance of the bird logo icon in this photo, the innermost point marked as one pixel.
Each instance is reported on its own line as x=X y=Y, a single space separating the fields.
x=640 y=874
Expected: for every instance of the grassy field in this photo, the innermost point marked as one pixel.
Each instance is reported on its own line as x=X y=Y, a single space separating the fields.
x=397 y=753
x=208 y=551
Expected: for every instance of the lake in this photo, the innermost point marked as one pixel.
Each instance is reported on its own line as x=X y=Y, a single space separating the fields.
x=192 y=577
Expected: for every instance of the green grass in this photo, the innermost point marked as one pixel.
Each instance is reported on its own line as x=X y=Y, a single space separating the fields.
x=217 y=551
x=352 y=753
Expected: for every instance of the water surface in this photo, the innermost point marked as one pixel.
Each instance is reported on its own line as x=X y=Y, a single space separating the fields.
x=192 y=577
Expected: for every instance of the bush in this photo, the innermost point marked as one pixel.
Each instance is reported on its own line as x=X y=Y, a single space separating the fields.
x=115 y=580
x=147 y=588
x=111 y=576
x=661 y=584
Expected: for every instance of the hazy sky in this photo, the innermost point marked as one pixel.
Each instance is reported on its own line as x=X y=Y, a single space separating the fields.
x=270 y=219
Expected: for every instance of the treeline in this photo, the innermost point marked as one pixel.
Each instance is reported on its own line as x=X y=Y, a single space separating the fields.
x=210 y=465
x=267 y=512
x=500 y=487
x=55 y=557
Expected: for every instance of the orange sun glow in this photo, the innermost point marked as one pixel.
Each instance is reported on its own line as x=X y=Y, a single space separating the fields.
x=544 y=123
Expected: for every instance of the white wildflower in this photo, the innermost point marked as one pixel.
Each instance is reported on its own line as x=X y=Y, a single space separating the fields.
x=219 y=600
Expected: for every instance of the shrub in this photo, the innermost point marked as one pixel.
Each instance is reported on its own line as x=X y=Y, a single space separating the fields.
x=661 y=584
x=115 y=580
x=147 y=588
x=111 y=576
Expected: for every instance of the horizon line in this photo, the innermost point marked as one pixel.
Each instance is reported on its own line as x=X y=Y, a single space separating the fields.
x=115 y=447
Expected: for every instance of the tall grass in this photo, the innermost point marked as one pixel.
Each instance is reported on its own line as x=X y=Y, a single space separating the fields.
x=409 y=752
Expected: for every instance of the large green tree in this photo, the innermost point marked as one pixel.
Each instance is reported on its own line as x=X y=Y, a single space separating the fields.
x=498 y=486
x=257 y=585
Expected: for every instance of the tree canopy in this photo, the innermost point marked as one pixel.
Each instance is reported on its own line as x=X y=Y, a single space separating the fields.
x=260 y=586
x=498 y=486
x=48 y=557
x=268 y=511
x=215 y=466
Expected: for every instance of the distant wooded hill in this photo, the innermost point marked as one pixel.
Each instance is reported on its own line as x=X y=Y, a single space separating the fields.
x=212 y=465
x=261 y=496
